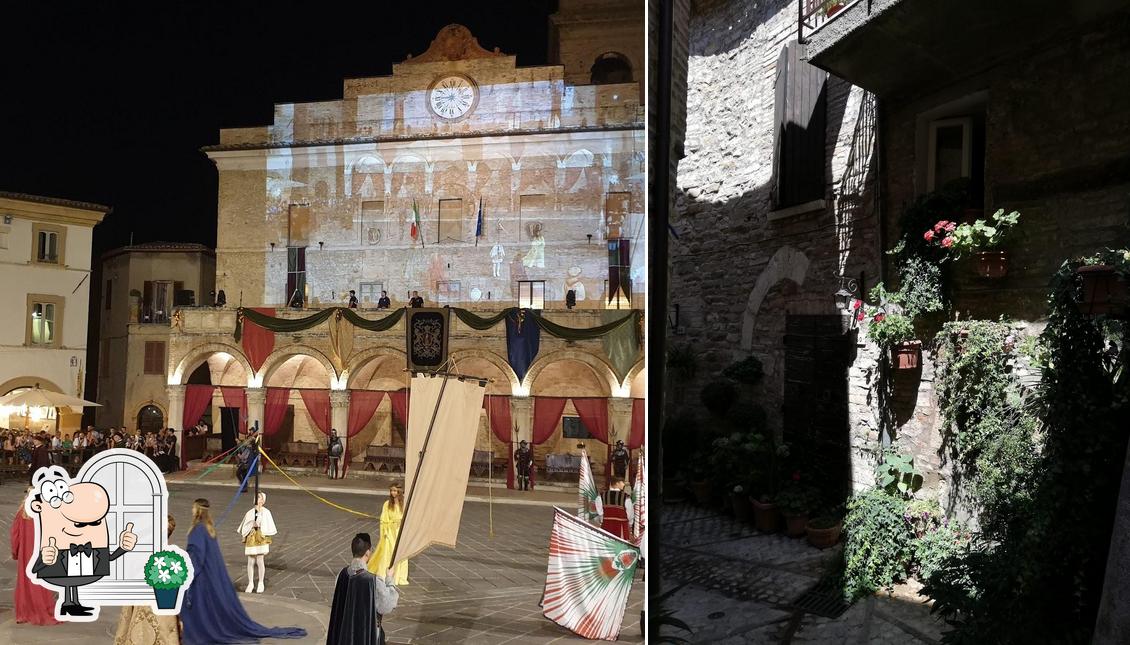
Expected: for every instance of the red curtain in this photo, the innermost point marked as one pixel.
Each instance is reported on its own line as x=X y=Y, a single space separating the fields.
x=498 y=408
x=197 y=398
x=236 y=397
x=318 y=406
x=363 y=405
x=274 y=411
x=258 y=343
x=400 y=407
x=594 y=414
x=547 y=412
x=636 y=436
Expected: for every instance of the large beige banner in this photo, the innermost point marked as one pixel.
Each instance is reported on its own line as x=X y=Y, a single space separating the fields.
x=435 y=502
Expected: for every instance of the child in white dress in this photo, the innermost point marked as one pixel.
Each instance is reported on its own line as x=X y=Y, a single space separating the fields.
x=257 y=528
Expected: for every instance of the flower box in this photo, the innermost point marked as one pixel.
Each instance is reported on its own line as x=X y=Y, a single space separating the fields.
x=1104 y=291
x=823 y=534
x=991 y=264
x=906 y=355
x=766 y=517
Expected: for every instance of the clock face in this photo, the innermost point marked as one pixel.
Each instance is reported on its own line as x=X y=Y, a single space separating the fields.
x=453 y=97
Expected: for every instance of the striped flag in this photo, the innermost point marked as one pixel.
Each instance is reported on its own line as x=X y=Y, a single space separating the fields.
x=639 y=503
x=479 y=223
x=589 y=577
x=587 y=493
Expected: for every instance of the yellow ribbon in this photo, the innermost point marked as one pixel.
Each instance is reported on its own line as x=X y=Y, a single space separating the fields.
x=312 y=493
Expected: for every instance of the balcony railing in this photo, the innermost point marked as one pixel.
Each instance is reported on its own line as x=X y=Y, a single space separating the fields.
x=813 y=14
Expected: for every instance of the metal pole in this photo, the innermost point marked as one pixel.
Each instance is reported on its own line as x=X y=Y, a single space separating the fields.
x=490 y=476
x=416 y=475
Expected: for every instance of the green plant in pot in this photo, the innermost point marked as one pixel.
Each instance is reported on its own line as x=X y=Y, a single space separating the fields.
x=894 y=333
x=796 y=501
x=823 y=531
x=167 y=572
x=980 y=239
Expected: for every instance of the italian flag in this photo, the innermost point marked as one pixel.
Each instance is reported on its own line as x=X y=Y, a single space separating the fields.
x=415 y=230
x=587 y=493
x=588 y=579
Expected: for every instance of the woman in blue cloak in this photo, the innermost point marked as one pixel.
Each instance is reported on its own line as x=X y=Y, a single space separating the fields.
x=212 y=613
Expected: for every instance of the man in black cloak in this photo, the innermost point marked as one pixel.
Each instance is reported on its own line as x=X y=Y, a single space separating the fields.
x=360 y=600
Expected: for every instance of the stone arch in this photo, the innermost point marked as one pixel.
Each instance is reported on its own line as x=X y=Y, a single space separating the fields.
x=368 y=165
x=600 y=366
x=281 y=355
x=611 y=67
x=493 y=359
x=28 y=381
x=786 y=264
x=198 y=355
x=632 y=373
x=361 y=358
x=580 y=158
x=137 y=408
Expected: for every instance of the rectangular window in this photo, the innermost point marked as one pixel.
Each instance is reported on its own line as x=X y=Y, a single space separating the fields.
x=298 y=225
x=370 y=293
x=800 y=138
x=616 y=209
x=50 y=241
x=44 y=320
x=155 y=357
x=447 y=291
x=295 y=276
x=530 y=209
x=531 y=294
x=950 y=155
x=372 y=222
x=158 y=301
x=450 y=220
x=109 y=291
x=572 y=428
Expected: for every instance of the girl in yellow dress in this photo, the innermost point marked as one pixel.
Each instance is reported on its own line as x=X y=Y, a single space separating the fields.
x=391 y=515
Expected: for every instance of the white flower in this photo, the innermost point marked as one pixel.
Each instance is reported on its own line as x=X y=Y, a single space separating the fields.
x=164 y=576
x=176 y=567
x=159 y=561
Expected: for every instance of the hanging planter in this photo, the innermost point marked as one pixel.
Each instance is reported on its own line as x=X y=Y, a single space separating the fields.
x=1104 y=291
x=906 y=355
x=991 y=264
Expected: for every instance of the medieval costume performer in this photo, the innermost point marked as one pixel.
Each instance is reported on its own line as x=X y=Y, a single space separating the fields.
x=616 y=510
x=620 y=459
x=361 y=600
x=211 y=611
x=139 y=625
x=257 y=528
x=524 y=463
x=392 y=514
x=34 y=604
x=334 y=450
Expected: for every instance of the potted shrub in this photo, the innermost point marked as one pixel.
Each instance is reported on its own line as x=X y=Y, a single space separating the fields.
x=766 y=516
x=1104 y=290
x=979 y=239
x=796 y=502
x=895 y=333
x=166 y=572
x=824 y=531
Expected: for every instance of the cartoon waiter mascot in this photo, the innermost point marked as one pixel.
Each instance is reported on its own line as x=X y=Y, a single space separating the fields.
x=74 y=541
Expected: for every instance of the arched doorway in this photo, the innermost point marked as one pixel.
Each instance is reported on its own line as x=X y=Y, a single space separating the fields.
x=609 y=68
x=150 y=419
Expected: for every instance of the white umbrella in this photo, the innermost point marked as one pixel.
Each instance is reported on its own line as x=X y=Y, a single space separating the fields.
x=40 y=398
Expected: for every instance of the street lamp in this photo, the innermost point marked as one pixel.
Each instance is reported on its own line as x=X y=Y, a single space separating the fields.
x=843 y=298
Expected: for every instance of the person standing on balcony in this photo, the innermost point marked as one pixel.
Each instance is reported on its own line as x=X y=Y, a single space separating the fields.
x=352 y=299
x=384 y=302
x=416 y=300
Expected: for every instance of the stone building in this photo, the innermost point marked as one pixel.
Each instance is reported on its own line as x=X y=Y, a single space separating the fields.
x=142 y=284
x=45 y=253
x=324 y=201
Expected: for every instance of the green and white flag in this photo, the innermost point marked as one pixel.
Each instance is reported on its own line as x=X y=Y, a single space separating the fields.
x=589 y=577
x=587 y=493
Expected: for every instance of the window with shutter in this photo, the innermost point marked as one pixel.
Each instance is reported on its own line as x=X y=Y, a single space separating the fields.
x=800 y=116
x=155 y=357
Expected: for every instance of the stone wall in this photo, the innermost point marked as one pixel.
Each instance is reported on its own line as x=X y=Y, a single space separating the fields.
x=738 y=269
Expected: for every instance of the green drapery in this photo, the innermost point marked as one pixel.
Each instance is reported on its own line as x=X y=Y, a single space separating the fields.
x=621 y=345
x=479 y=323
x=572 y=333
x=381 y=324
x=279 y=325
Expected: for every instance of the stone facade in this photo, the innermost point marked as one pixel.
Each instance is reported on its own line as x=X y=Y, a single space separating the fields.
x=739 y=268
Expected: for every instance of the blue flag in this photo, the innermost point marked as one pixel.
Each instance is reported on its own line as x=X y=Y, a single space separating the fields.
x=479 y=223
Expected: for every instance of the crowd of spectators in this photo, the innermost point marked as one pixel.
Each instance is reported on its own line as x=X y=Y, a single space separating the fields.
x=33 y=450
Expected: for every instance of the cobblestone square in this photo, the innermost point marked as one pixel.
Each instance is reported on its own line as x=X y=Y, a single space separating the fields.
x=484 y=591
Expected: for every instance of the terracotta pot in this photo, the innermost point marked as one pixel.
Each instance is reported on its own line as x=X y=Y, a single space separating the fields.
x=702 y=492
x=822 y=538
x=1104 y=291
x=991 y=264
x=766 y=517
x=906 y=355
x=794 y=524
x=742 y=510
x=833 y=10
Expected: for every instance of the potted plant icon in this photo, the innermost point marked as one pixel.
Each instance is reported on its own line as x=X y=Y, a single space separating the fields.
x=167 y=572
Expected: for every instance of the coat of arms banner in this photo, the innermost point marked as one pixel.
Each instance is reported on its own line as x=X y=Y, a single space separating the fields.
x=428 y=331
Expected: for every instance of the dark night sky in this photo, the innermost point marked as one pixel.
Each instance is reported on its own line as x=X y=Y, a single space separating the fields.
x=107 y=104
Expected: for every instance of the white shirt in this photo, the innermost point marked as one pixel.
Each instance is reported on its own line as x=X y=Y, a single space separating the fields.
x=80 y=564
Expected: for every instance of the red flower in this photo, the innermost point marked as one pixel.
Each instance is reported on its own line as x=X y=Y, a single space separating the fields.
x=879 y=317
x=948 y=242
x=939 y=226
x=859 y=315
x=950 y=226
x=929 y=236
x=856 y=304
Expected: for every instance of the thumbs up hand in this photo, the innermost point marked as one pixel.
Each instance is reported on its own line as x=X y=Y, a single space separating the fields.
x=127 y=540
x=49 y=553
